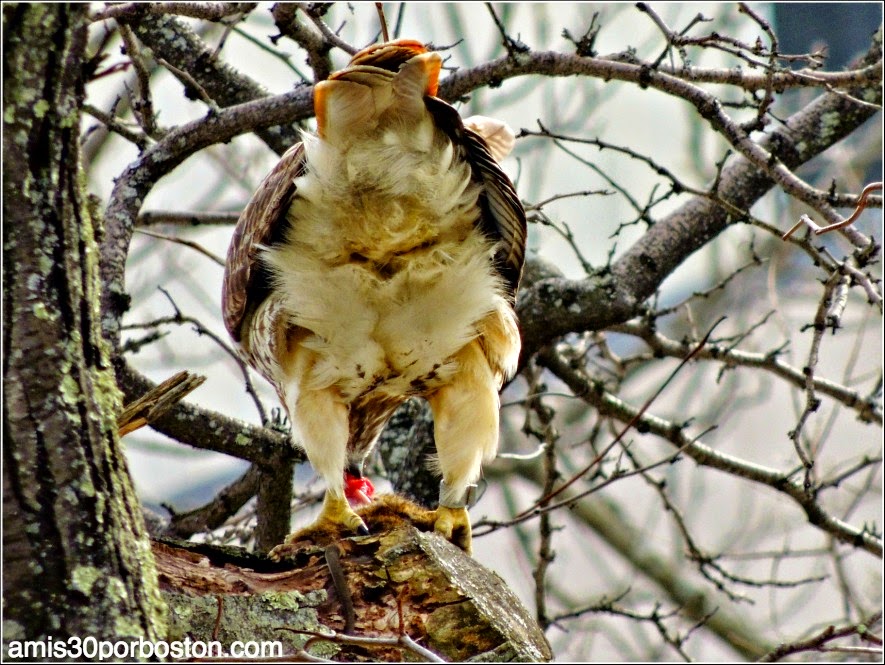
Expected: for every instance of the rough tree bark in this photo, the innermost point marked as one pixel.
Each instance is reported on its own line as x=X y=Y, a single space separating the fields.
x=398 y=582
x=77 y=560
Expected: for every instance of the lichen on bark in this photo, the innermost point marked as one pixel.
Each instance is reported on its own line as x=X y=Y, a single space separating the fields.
x=76 y=554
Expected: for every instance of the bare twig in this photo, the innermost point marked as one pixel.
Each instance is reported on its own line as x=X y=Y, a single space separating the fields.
x=536 y=510
x=142 y=107
x=708 y=564
x=820 y=230
x=195 y=218
x=327 y=32
x=867 y=408
x=191 y=82
x=186 y=243
x=114 y=125
x=514 y=46
x=635 y=419
x=385 y=36
x=548 y=436
x=828 y=634
x=656 y=617
x=352 y=640
x=181 y=319
x=286 y=16
x=822 y=320
x=610 y=405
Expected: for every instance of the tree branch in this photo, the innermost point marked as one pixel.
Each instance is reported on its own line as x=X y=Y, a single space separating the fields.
x=553 y=307
x=608 y=404
x=173 y=41
x=209 y=430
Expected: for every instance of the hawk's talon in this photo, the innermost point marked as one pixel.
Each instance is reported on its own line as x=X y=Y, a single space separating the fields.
x=337 y=511
x=336 y=520
x=279 y=421
x=453 y=524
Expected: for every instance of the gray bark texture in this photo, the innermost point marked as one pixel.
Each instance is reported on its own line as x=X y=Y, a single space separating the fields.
x=401 y=581
x=77 y=559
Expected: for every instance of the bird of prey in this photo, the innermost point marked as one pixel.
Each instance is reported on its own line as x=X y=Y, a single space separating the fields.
x=378 y=261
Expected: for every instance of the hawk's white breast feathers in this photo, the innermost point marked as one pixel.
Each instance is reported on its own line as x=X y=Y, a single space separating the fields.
x=383 y=262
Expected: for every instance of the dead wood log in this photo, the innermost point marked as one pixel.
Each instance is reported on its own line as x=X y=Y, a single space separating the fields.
x=399 y=582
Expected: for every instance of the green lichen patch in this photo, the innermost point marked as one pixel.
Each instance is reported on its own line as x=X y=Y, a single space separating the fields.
x=283 y=600
x=271 y=616
x=84 y=577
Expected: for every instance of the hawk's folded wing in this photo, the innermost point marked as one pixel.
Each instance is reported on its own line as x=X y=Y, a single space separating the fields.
x=262 y=223
x=502 y=216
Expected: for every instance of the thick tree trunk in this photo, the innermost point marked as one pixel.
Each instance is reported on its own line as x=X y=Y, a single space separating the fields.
x=77 y=560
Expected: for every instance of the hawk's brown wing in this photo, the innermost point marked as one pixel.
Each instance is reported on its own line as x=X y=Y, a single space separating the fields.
x=503 y=217
x=503 y=214
x=262 y=223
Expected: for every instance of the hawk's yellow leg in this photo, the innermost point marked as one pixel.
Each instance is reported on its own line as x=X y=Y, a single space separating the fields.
x=320 y=426
x=465 y=414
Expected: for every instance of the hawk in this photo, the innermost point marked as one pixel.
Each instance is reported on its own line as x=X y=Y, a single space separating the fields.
x=378 y=261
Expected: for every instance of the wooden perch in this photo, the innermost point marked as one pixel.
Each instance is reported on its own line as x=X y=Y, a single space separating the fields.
x=402 y=587
x=155 y=403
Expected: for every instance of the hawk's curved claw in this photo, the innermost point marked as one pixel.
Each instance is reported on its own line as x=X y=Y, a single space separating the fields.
x=336 y=520
x=453 y=524
x=337 y=512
